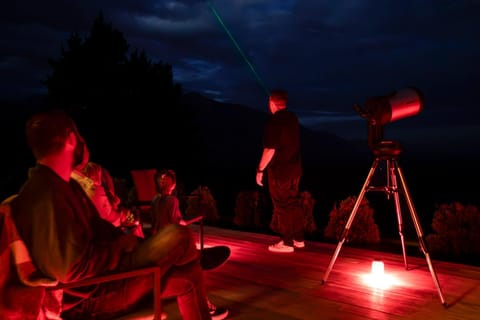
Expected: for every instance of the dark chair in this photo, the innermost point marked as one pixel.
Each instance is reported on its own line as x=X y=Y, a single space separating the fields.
x=144 y=183
x=157 y=305
x=22 y=280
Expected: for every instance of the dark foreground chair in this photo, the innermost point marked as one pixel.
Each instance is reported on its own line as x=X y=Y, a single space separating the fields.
x=26 y=294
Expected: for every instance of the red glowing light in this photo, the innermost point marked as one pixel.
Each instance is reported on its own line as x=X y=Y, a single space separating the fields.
x=377 y=278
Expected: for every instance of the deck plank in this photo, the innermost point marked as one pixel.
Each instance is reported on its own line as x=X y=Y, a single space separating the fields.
x=258 y=284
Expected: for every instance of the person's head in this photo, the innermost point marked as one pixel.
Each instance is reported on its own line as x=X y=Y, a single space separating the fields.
x=277 y=100
x=165 y=181
x=54 y=133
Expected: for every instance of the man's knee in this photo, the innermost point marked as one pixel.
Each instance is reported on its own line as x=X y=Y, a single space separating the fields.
x=174 y=233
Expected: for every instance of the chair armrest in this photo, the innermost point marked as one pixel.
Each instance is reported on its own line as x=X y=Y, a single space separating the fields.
x=190 y=220
x=107 y=278
x=199 y=219
x=157 y=306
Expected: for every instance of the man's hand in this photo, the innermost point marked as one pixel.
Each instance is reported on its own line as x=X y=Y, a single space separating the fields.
x=128 y=242
x=260 y=178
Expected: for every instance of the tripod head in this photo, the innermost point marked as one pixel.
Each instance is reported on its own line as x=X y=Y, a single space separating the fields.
x=381 y=110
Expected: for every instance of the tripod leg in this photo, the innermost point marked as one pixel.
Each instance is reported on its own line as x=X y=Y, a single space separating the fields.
x=421 y=238
x=350 y=220
x=394 y=188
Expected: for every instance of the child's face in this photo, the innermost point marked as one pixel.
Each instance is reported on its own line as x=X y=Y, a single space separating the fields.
x=166 y=184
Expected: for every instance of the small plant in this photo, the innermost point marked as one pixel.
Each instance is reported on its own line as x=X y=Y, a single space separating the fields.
x=250 y=209
x=456 y=231
x=308 y=203
x=363 y=230
x=201 y=201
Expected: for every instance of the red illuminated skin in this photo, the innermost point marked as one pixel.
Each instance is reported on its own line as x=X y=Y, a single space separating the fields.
x=268 y=153
x=166 y=186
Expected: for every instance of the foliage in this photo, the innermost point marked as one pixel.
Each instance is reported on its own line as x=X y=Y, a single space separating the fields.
x=123 y=102
x=251 y=209
x=363 y=230
x=96 y=72
x=308 y=203
x=456 y=231
x=201 y=201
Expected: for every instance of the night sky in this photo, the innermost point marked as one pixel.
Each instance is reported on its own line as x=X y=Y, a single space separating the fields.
x=329 y=55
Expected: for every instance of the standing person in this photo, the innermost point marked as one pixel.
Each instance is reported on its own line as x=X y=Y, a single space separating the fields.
x=281 y=157
x=69 y=241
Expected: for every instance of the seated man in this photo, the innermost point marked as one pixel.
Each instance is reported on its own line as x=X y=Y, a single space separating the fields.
x=69 y=241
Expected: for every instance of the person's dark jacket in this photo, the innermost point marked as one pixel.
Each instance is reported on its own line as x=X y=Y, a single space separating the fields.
x=61 y=228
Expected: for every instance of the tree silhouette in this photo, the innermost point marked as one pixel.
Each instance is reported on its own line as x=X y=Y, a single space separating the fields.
x=88 y=72
x=127 y=107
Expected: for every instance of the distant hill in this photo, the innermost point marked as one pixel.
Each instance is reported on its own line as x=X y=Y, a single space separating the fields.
x=234 y=132
x=229 y=140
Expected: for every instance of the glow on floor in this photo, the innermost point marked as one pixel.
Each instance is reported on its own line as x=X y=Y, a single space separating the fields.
x=378 y=279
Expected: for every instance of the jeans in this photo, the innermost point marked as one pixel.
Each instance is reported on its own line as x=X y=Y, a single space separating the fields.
x=173 y=249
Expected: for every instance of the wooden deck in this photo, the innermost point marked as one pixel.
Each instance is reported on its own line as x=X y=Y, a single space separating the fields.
x=258 y=284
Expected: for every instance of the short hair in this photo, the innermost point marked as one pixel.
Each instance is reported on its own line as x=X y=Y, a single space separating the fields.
x=279 y=95
x=167 y=172
x=46 y=132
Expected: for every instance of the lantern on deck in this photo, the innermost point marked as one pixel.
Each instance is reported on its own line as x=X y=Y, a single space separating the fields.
x=378 y=269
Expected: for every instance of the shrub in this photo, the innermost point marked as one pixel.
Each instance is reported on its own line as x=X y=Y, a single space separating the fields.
x=456 y=231
x=308 y=203
x=201 y=201
x=363 y=229
x=251 y=209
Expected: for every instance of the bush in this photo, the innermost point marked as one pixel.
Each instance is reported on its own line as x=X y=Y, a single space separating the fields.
x=363 y=229
x=251 y=210
x=456 y=231
x=308 y=203
x=201 y=201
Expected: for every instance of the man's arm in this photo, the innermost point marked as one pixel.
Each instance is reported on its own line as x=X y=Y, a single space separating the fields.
x=267 y=156
x=60 y=236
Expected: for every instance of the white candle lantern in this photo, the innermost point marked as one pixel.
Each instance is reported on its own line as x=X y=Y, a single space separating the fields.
x=378 y=268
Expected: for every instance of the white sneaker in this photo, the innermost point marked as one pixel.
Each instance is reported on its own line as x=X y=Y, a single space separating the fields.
x=280 y=247
x=299 y=244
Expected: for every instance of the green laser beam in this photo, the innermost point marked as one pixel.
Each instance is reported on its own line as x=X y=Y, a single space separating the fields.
x=215 y=13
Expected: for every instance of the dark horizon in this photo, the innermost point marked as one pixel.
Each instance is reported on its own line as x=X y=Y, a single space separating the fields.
x=333 y=170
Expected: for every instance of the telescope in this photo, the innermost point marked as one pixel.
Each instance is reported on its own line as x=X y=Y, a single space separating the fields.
x=381 y=110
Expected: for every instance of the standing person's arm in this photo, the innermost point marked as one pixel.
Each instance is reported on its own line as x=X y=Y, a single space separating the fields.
x=267 y=156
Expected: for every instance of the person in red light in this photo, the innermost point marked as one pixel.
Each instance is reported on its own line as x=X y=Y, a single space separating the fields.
x=69 y=241
x=165 y=205
x=166 y=210
x=281 y=157
x=98 y=184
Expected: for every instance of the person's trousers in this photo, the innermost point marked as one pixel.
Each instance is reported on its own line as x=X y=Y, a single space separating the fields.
x=173 y=249
x=287 y=219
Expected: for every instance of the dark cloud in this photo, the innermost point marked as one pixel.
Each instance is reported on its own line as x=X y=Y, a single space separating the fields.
x=328 y=54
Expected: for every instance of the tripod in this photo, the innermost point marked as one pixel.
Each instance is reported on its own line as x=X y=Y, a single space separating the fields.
x=389 y=151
